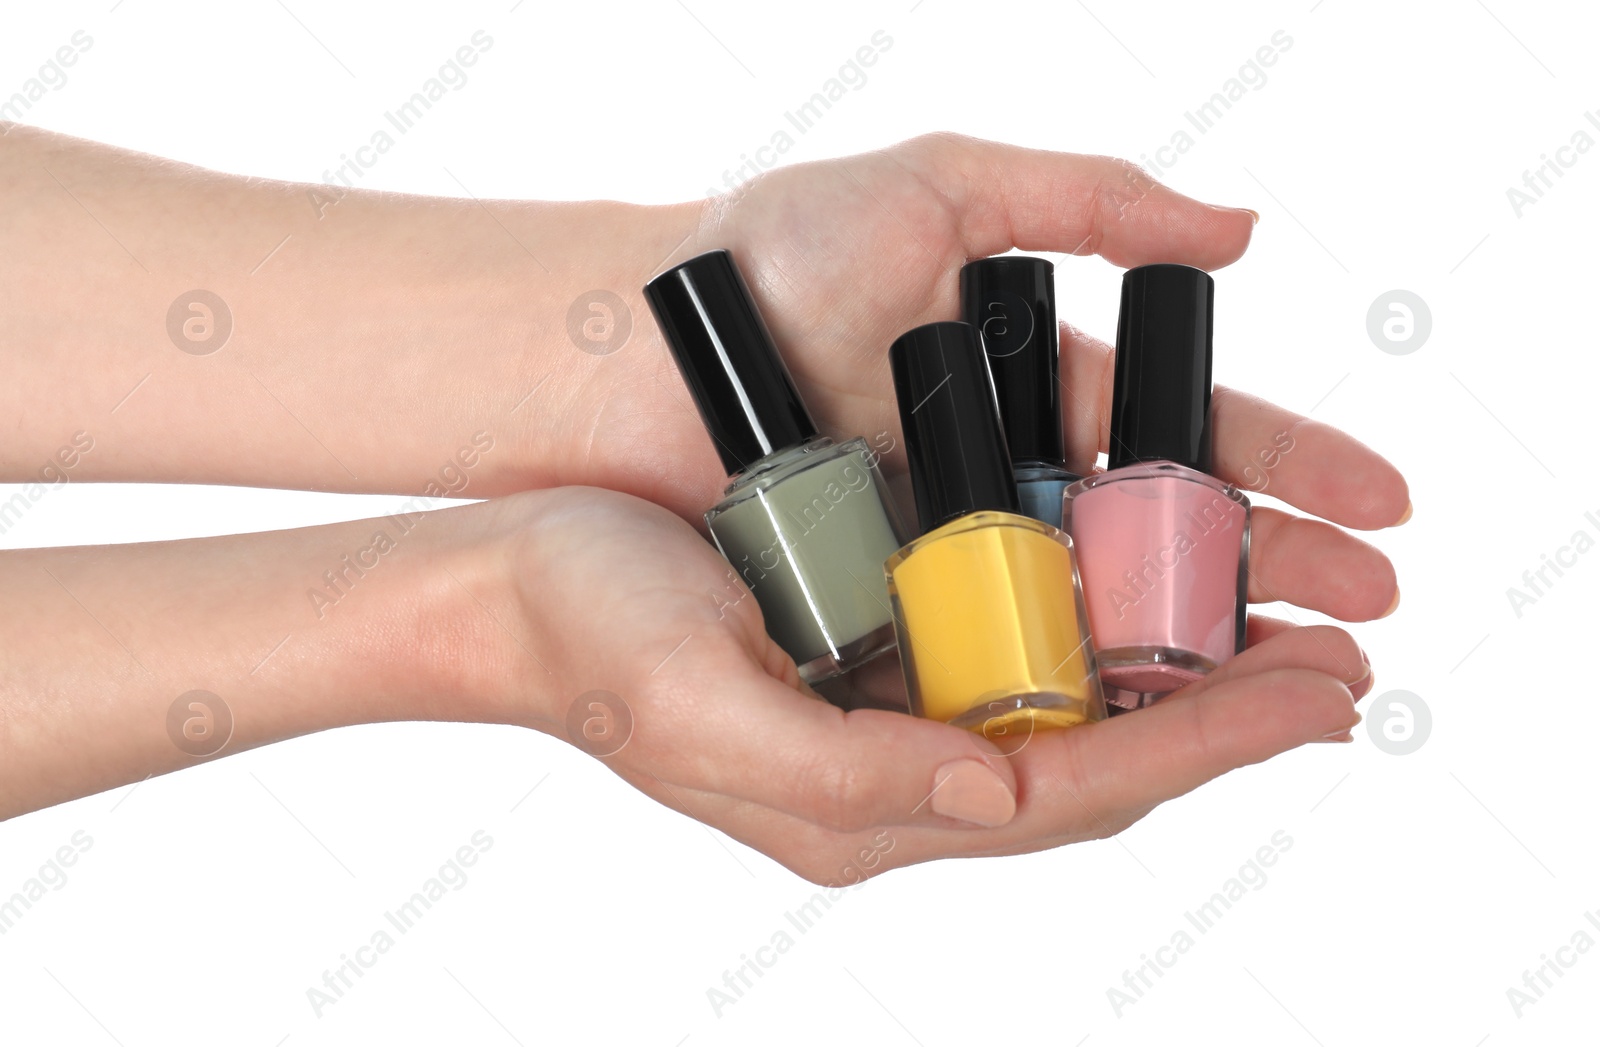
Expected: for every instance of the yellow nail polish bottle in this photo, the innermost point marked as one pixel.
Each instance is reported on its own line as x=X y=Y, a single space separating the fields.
x=987 y=607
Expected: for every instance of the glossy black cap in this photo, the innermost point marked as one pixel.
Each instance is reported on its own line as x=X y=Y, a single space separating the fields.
x=1161 y=400
x=1012 y=302
x=728 y=360
x=951 y=421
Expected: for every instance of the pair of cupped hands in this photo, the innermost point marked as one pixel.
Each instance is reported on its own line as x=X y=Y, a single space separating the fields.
x=641 y=623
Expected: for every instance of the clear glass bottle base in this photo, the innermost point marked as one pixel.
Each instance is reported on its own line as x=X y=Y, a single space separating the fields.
x=1021 y=715
x=825 y=667
x=1119 y=701
x=1151 y=670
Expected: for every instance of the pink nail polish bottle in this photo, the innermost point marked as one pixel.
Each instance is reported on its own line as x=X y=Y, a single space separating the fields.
x=1120 y=702
x=1162 y=546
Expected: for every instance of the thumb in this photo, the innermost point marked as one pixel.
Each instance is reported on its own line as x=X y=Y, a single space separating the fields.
x=756 y=739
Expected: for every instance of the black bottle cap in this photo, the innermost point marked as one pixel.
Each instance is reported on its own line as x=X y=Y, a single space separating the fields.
x=1011 y=301
x=951 y=421
x=728 y=360
x=1161 y=400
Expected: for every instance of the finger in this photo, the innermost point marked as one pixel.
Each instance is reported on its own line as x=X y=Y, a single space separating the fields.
x=1009 y=196
x=1325 y=649
x=1268 y=450
x=820 y=855
x=1092 y=782
x=1313 y=564
x=1260 y=628
x=1086 y=783
x=1087 y=378
x=1133 y=763
x=1260 y=447
x=748 y=736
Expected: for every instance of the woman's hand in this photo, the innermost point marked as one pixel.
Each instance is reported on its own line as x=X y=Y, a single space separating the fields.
x=845 y=255
x=605 y=621
x=392 y=343
x=628 y=635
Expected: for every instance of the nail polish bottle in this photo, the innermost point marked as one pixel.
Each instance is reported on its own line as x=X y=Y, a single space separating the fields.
x=1162 y=545
x=1011 y=301
x=805 y=521
x=1119 y=701
x=990 y=620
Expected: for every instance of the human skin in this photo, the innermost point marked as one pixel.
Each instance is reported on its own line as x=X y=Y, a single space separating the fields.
x=388 y=330
x=373 y=342
x=470 y=616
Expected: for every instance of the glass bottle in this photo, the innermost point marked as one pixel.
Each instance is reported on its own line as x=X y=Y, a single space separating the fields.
x=1163 y=546
x=1011 y=301
x=805 y=522
x=990 y=619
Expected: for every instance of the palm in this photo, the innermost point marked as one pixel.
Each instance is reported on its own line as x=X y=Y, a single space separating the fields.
x=843 y=256
x=846 y=256
x=668 y=676
x=839 y=271
x=668 y=624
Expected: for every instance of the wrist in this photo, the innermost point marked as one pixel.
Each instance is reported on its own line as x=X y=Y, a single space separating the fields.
x=207 y=647
x=597 y=367
x=454 y=641
x=476 y=646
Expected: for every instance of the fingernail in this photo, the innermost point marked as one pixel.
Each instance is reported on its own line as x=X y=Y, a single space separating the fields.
x=1393 y=604
x=1403 y=516
x=1361 y=686
x=969 y=791
x=1255 y=216
x=1345 y=734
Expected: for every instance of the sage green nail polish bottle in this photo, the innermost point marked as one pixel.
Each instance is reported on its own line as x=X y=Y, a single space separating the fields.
x=806 y=522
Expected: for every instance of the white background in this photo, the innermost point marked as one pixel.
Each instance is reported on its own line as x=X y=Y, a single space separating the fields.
x=1418 y=888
